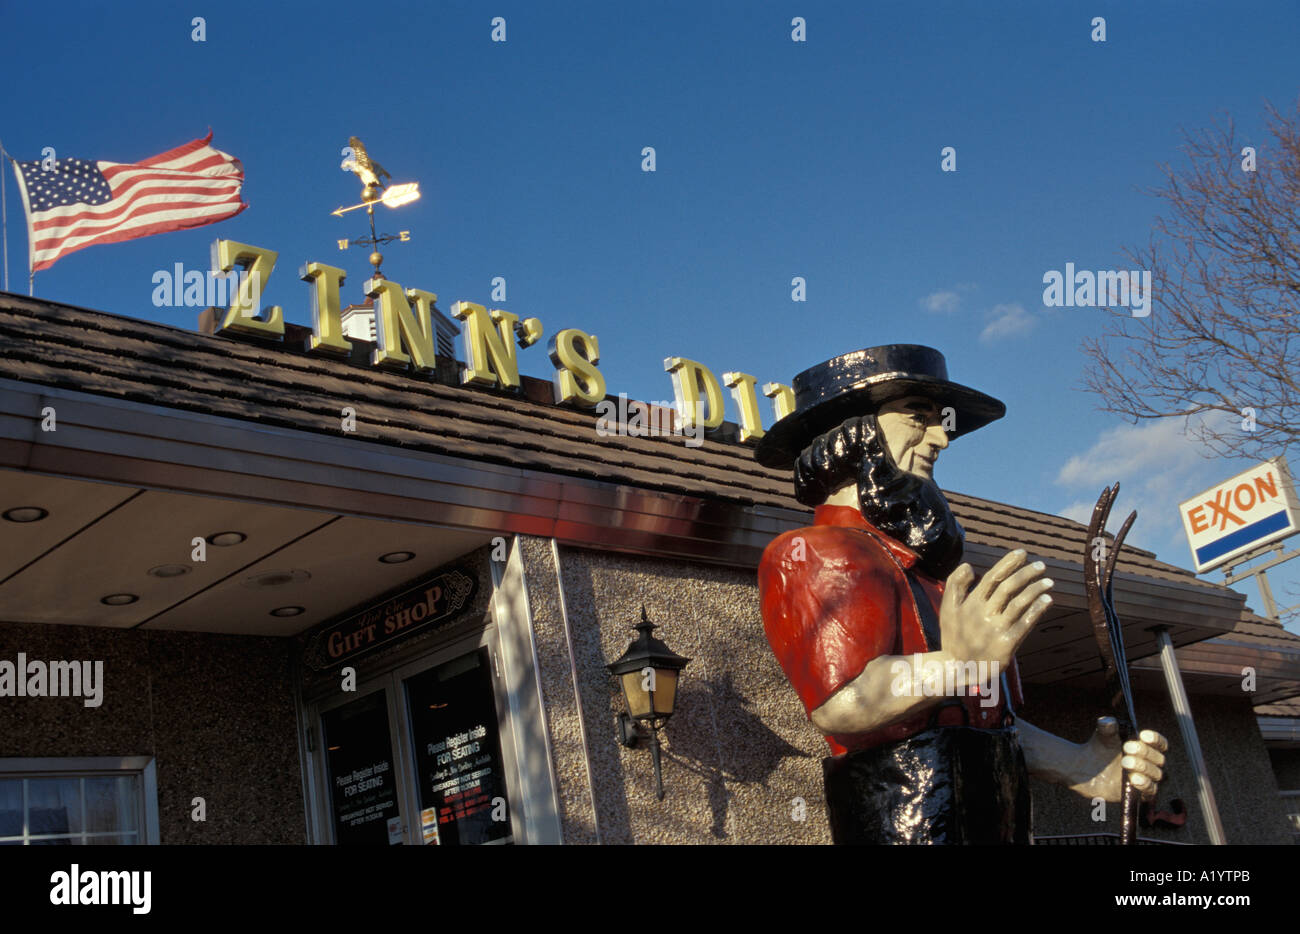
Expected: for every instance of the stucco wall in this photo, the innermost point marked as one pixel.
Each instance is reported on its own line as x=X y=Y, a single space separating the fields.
x=738 y=753
x=216 y=712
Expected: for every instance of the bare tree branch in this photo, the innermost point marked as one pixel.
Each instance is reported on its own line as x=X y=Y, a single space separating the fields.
x=1220 y=342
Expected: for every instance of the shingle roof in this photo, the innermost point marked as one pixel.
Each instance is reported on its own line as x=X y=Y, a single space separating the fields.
x=1049 y=536
x=91 y=351
x=1255 y=628
x=1268 y=637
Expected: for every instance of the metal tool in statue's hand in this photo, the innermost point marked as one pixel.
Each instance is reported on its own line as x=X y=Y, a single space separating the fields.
x=1106 y=628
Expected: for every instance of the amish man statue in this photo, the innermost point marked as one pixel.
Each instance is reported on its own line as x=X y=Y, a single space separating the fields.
x=901 y=659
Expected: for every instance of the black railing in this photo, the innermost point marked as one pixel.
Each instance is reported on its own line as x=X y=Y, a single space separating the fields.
x=1097 y=839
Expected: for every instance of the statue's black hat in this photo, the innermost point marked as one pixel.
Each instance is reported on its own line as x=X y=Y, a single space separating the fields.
x=859 y=383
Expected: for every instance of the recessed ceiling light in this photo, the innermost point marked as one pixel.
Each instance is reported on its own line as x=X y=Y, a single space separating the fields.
x=25 y=514
x=118 y=599
x=168 y=570
x=226 y=539
x=288 y=611
x=276 y=578
x=397 y=557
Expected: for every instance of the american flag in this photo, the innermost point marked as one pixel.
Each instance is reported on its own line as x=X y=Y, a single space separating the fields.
x=76 y=203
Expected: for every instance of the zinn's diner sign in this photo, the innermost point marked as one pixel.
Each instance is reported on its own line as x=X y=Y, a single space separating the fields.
x=405 y=341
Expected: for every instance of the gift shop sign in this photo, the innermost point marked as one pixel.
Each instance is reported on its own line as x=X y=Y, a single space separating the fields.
x=405 y=341
x=1255 y=507
x=433 y=601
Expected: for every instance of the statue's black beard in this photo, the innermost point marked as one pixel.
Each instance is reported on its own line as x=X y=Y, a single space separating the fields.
x=911 y=510
x=905 y=507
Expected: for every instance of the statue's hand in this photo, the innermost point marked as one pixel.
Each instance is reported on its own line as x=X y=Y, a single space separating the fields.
x=1140 y=759
x=989 y=622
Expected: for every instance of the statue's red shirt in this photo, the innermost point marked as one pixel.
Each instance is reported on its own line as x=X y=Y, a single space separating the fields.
x=834 y=597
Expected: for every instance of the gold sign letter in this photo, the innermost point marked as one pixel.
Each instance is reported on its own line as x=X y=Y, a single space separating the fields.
x=490 y=351
x=742 y=388
x=395 y=325
x=782 y=398
x=241 y=317
x=688 y=377
x=575 y=355
x=327 y=326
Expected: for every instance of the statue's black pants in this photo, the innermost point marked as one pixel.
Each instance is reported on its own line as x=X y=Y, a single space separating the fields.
x=949 y=784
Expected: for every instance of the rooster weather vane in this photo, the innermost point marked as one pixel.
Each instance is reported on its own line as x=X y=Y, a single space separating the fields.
x=374 y=191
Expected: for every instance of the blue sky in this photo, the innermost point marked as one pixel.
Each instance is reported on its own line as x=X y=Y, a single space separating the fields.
x=775 y=159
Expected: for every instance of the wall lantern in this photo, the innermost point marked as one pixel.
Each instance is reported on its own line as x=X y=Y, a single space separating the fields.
x=648 y=672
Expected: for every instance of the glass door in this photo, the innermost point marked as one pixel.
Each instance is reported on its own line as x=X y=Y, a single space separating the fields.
x=362 y=776
x=456 y=749
x=421 y=756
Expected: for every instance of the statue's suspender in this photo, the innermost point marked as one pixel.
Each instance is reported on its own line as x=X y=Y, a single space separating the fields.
x=930 y=631
x=920 y=600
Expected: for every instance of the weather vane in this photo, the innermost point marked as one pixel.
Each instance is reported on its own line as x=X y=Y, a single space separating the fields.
x=370 y=172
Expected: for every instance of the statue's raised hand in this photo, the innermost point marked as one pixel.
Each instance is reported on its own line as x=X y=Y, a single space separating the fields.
x=989 y=622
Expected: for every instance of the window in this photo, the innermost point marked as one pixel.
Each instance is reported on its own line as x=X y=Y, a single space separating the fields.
x=75 y=801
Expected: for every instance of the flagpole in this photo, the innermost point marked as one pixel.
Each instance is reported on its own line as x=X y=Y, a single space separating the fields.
x=4 y=213
x=27 y=216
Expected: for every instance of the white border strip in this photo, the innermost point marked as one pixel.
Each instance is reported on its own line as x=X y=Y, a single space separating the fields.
x=577 y=693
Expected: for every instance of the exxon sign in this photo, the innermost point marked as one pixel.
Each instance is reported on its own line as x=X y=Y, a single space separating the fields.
x=1254 y=508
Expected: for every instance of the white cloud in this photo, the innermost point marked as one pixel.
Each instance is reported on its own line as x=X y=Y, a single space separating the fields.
x=1144 y=450
x=1080 y=511
x=944 y=301
x=1157 y=467
x=1006 y=321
